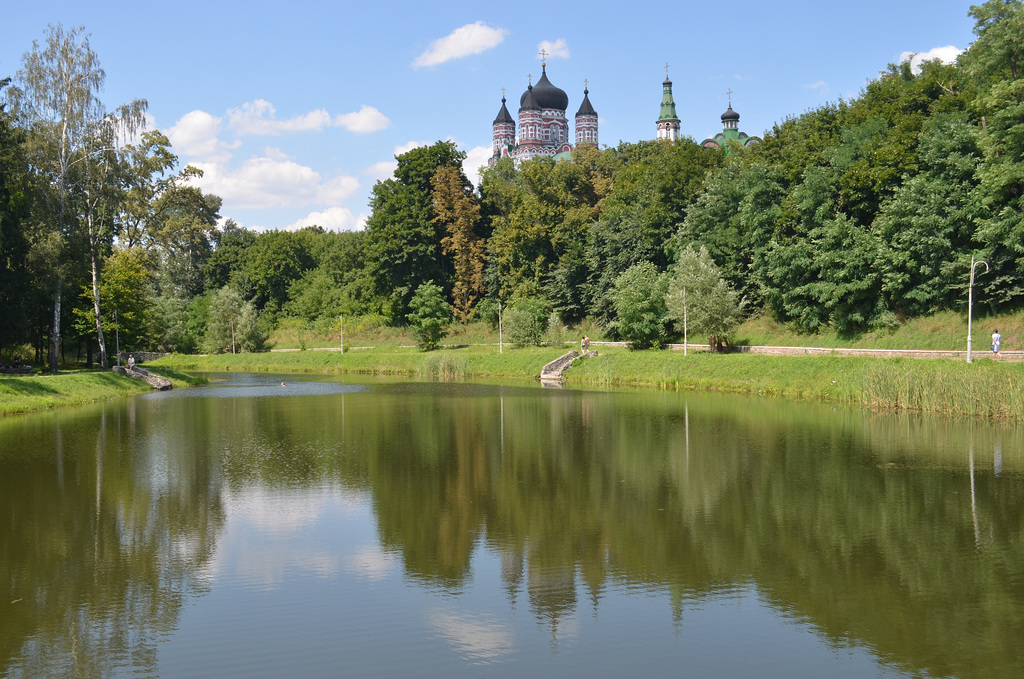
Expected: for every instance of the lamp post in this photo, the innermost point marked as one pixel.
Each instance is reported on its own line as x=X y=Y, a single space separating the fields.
x=684 y=320
x=341 y=338
x=501 y=348
x=970 y=303
x=117 y=340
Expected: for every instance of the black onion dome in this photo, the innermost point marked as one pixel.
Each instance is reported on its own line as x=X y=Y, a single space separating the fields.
x=586 y=109
x=547 y=95
x=503 y=115
x=730 y=115
x=528 y=102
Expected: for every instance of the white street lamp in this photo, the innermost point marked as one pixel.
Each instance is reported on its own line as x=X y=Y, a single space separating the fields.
x=970 y=303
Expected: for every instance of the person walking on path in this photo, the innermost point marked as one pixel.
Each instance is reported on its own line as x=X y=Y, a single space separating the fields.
x=997 y=341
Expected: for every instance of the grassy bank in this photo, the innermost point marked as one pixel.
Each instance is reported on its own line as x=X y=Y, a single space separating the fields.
x=986 y=388
x=26 y=393
x=942 y=331
x=453 y=363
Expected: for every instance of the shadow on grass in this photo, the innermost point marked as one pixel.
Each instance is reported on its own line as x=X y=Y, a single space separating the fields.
x=172 y=374
x=27 y=386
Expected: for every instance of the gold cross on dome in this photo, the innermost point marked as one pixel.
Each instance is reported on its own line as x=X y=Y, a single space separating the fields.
x=529 y=78
x=586 y=83
x=502 y=92
x=543 y=57
x=730 y=97
x=666 y=69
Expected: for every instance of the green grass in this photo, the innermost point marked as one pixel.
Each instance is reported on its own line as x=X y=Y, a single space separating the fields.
x=26 y=393
x=986 y=388
x=462 y=362
x=946 y=330
x=38 y=392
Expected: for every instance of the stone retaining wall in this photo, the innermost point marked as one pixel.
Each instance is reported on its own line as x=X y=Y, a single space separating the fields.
x=142 y=356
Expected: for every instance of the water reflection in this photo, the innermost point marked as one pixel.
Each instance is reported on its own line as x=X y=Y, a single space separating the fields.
x=871 y=531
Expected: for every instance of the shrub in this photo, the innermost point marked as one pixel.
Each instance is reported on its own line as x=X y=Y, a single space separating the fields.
x=712 y=307
x=639 y=300
x=430 y=316
x=525 y=322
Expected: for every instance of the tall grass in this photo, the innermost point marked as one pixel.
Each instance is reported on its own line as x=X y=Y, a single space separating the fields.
x=444 y=366
x=985 y=389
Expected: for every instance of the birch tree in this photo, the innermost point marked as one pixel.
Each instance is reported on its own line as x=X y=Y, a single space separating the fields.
x=73 y=144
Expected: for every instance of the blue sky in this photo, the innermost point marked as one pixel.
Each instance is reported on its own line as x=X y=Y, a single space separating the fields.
x=294 y=110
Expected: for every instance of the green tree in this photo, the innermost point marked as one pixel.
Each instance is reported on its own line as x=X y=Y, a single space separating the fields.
x=186 y=220
x=403 y=242
x=457 y=209
x=925 y=230
x=998 y=53
x=230 y=245
x=429 y=315
x=649 y=201
x=126 y=290
x=712 y=307
x=73 y=141
x=233 y=324
x=525 y=321
x=994 y=60
x=15 y=205
x=272 y=264
x=639 y=301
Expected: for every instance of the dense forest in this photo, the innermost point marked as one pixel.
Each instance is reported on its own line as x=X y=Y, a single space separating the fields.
x=853 y=216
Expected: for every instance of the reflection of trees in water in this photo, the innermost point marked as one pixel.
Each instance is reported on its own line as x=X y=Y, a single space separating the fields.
x=862 y=525
x=108 y=530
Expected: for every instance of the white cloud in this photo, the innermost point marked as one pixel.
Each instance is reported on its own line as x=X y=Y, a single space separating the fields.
x=557 y=48
x=275 y=153
x=409 y=146
x=475 y=159
x=332 y=219
x=257 y=117
x=477 y=638
x=336 y=190
x=946 y=55
x=266 y=182
x=462 y=42
x=197 y=134
x=367 y=119
x=821 y=86
x=385 y=169
x=369 y=562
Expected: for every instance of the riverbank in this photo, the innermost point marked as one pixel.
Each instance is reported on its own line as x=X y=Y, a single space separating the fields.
x=985 y=388
x=28 y=393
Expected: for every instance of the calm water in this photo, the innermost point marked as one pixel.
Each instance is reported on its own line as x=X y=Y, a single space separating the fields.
x=397 y=529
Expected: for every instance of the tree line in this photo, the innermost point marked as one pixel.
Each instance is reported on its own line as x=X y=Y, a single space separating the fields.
x=855 y=215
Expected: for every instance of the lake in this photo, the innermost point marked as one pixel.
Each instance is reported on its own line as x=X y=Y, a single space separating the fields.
x=272 y=526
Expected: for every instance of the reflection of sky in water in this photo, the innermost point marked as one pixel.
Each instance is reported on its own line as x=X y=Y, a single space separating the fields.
x=260 y=386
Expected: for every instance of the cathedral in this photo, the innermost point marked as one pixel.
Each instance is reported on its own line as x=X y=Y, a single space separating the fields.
x=542 y=130
x=668 y=123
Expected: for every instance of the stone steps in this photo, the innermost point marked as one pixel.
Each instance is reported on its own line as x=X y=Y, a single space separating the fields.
x=555 y=369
